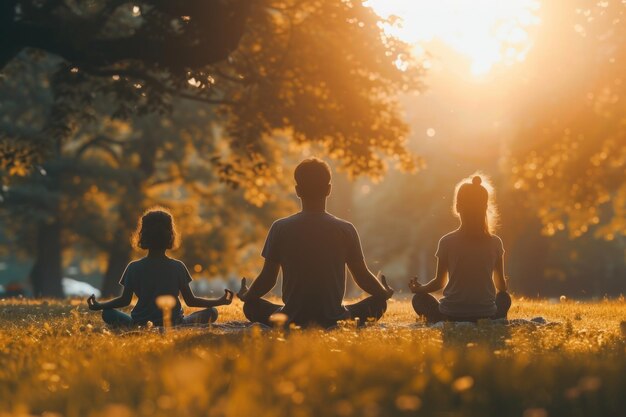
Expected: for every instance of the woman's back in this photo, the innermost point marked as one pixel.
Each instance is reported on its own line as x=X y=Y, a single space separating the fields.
x=471 y=260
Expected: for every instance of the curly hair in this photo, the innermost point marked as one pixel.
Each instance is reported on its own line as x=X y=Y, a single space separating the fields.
x=156 y=230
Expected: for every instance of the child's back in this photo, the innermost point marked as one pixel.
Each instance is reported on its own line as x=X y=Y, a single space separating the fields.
x=151 y=277
x=154 y=276
x=471 y=260
x=470 y=266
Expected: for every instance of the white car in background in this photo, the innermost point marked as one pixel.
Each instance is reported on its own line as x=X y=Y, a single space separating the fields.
x=74 y=288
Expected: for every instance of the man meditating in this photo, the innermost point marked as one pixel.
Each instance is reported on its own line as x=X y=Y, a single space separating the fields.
x=313 y=247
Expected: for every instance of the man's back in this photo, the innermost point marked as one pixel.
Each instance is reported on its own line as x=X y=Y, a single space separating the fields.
x=313 y=249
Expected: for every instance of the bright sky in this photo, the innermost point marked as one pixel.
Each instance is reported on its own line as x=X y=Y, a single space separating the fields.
x=486 y=31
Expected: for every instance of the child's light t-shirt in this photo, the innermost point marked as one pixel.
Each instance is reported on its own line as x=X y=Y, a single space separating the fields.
x=470 y=291
x=151 y=277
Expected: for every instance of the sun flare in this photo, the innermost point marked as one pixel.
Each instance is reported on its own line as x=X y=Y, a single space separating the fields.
x=487 y=32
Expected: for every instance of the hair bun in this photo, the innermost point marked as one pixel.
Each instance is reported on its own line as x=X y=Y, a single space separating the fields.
x=477 y=180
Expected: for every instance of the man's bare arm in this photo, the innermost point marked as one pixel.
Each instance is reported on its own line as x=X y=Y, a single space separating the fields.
x=263 y=284
x=367 y=281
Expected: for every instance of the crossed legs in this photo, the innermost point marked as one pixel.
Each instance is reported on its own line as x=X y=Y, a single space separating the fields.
x=427 y=306
x=260 y=310
x=201 y=317
x=367 y=309
x=116 y=318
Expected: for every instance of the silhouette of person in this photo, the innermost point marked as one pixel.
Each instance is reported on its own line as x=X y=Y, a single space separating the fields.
x=154 y=275
x=312 y=248
x=470 y=264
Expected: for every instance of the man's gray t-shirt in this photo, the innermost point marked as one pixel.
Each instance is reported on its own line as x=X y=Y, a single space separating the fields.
x=151 y=277
x=312 y=249
x=470 y=291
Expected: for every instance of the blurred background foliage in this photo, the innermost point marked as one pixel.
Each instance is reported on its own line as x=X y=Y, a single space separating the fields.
x=110 y=107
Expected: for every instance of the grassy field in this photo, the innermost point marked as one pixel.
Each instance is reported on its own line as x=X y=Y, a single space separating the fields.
x=57 y=359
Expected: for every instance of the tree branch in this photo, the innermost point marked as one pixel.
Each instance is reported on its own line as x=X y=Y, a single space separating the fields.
x=215 y=31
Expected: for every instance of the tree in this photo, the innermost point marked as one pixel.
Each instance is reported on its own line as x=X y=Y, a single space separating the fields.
x=276 y=82
x=146 y=161
x=110 y=36
x=277 y=78
x=171 y=35
x=571 y=156
x=168 y=161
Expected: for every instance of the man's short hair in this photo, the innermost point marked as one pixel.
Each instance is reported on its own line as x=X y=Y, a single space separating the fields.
x=312 y=177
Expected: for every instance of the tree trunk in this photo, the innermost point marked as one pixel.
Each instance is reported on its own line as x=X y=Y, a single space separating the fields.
x=131 y=207
x=7 y=19
x=119 y=256
x=120 y=250
x=47 y=273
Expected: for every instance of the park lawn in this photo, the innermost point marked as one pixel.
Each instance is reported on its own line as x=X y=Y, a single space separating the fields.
x=57 y=359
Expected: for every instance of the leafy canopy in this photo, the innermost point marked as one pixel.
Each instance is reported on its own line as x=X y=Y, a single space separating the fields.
x=316 y=72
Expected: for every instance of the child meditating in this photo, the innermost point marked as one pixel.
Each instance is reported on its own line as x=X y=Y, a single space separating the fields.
x=156 y=275
x=470 y=259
